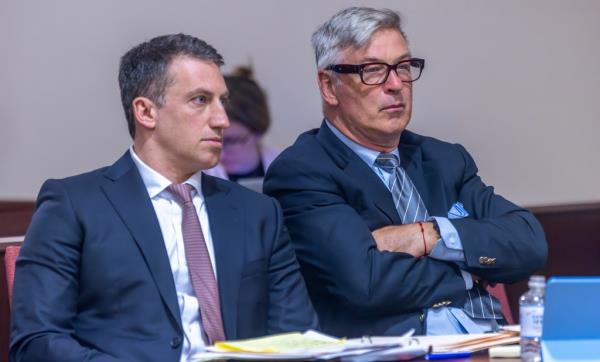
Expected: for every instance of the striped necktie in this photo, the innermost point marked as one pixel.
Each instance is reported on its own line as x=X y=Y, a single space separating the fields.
x=408 y=202
x=199 y=265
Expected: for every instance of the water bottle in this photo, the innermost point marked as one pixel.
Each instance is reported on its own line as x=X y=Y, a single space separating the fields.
x=531 y=314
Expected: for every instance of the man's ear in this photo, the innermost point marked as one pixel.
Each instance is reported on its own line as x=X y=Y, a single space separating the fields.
x=327 y=88
x=145 y=112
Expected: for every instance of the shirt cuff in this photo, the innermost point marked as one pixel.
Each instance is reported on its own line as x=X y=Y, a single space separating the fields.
x=449 y=246
x=467 y=278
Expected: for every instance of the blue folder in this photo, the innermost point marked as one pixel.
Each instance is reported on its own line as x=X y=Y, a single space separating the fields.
x=571 y=327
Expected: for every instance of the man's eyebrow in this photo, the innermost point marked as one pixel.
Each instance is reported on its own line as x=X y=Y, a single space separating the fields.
x=199 y=90
x=206 y=92
x=378 y=60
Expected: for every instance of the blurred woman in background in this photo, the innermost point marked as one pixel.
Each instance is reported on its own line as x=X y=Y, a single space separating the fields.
x=244 y=157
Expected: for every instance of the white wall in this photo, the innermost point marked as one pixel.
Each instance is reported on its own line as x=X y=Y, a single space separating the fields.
x=517 y=82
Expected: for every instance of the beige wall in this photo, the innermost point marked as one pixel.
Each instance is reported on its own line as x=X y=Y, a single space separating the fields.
x=516 y=82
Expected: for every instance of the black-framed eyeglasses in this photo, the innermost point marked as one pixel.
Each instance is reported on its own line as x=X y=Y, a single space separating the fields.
x=376 y=73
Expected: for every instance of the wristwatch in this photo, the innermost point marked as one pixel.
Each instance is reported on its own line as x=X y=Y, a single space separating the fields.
x=436 y=227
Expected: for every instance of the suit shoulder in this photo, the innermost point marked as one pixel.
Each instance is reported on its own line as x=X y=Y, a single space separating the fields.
x=304 y=143
x=304 y=150
x=432 y=147
x=423 y=141
x=85 y=179
x=240 y=192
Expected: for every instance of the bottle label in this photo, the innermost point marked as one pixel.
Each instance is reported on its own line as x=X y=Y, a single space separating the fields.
x=531 y=320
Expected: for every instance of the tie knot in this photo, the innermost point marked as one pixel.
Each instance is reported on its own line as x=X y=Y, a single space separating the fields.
x=182 y=192
x=387 y=161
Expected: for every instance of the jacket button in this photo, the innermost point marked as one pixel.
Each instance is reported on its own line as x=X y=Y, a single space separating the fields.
x=175 y=342
x=485 y=260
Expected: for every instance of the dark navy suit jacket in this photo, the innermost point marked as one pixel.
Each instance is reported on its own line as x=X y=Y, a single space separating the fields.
x=93 y=280
x=332 y=201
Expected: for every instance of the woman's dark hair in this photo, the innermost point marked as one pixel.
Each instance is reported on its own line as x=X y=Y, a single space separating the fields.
x=247 y=102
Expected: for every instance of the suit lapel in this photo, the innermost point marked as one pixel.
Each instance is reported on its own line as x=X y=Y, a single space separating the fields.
x=358 y=171
x=127 y=193
x=423 y=174
x=227 y=229
x=411 y=161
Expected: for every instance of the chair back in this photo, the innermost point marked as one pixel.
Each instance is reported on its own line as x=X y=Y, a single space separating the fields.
x=499 y=291
x=10 y=258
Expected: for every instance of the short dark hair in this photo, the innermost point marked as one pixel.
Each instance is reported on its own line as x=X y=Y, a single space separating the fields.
x=247 y=102
x=143 y=71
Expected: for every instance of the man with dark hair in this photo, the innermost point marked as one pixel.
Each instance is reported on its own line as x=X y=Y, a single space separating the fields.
x=393 y=230
x=150 y=259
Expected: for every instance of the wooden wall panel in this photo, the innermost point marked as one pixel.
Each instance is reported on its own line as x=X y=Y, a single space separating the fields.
x=15 y=217
x=573 y=235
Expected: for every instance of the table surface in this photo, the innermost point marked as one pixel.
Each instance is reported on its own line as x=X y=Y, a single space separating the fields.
x=477 y=357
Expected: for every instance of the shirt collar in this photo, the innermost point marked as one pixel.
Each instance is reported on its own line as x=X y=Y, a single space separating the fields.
x=366 y=154
x=156 y=183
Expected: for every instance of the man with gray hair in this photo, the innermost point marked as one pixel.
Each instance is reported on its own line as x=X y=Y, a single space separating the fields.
x=393 y=230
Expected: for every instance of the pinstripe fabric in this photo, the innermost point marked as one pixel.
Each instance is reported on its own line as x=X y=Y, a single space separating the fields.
x=408 y=202
x=199 y=265
x=479 y=303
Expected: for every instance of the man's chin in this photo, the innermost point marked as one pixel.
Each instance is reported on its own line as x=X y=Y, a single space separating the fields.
x=209 y=162
x=397 y=125
x=210 y=165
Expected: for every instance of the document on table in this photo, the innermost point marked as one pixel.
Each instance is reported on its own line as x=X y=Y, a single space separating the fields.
x=455 y=343
x=281 y=343
x=469 y=342
x=314 y=346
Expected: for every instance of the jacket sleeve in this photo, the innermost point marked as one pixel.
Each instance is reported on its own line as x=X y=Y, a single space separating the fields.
x=46 y=285
x=290 y=308
x=337 y=252
x=502 y=242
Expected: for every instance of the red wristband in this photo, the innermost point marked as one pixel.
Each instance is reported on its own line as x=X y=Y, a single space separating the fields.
x=423 y=234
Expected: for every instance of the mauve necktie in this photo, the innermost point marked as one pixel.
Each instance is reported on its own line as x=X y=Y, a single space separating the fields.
x=479 y=303
x=199 y=265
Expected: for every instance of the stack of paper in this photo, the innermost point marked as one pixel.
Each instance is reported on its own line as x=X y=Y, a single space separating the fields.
x=313 y=346
x=469 y=342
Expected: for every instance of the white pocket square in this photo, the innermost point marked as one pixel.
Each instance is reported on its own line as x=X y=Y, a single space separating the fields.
x=457 y=211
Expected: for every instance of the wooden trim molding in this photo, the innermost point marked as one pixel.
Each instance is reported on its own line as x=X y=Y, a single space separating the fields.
x=15 y=217
x=566 y=208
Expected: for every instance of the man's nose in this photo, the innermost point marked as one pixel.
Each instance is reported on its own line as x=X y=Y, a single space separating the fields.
x=393 y=83
x=219 y=118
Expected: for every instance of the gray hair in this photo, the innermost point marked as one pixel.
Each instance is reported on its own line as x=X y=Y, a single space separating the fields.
x=350 y=27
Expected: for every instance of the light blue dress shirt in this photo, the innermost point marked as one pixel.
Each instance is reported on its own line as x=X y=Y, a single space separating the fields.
x=441 y=320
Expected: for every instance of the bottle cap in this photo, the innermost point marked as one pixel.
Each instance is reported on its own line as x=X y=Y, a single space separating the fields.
x=537 y=281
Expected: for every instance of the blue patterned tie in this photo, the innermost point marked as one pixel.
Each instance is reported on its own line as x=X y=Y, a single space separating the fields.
x=408 y=202
x=479 y=303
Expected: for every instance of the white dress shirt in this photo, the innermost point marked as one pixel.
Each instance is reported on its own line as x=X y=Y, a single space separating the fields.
x=169 y=214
